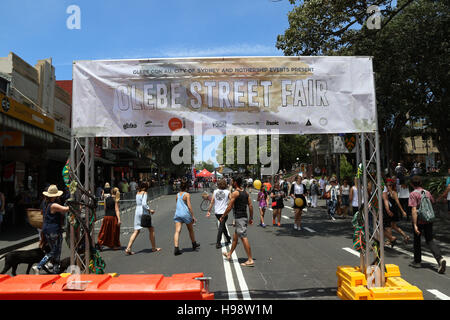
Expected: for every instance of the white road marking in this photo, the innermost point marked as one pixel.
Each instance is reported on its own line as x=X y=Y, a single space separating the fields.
x=240 y=276
x=232 y=295
x=308 y=229
x=439 y=294
x=286 y=217
x=354 y=252
x=425 y=255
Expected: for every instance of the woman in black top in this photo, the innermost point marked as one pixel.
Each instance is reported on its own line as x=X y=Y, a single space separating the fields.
x=277 y=202
x=52 y=228
x=109 y=234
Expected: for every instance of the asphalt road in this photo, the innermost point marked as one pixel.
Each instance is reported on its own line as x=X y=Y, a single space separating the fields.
x=289 y=264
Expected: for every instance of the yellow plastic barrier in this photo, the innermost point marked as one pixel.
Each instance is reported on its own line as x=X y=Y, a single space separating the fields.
x=352 y=285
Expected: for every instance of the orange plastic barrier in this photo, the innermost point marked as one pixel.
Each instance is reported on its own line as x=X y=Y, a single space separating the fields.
x=105 y=287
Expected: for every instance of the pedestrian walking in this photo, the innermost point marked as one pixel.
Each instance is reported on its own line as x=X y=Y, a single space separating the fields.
x=263 y=202
x=322 y=185
x=52 y=229
x=298 y=191
x=240 y=199
x=333 y=190
x=184 y=214
x=220 y=199
x=403 y=197
x=106 y=191
x=353 y=197
x=345 y=197
x=142 y=208
x=419 y=200
x=314 y=193
x=109 y=234
x=391 y=212
x=277 y=203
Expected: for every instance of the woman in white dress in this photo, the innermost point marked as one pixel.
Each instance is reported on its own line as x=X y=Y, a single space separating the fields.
x=141 y=207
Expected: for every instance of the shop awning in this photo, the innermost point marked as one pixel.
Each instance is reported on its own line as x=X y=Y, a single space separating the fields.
x=25 y=128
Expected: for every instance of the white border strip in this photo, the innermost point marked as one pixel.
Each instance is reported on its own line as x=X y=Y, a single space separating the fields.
x=239 y=274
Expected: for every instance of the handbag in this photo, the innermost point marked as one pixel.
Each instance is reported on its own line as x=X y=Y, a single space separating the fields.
x=327 y=195
x=146 y=220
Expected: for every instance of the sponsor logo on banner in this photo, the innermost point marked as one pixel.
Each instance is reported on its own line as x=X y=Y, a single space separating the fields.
x=175 y=124
x=151 y=124
x=129 y=126
x=272 y=123
x=292 y=123
x=219 y=124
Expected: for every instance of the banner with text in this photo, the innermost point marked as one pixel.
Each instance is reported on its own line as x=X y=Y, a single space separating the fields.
x=234 y=95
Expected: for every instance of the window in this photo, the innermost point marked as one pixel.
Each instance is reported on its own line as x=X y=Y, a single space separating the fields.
x=4 y=84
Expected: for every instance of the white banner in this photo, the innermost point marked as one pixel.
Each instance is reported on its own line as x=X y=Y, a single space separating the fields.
x=235 y=95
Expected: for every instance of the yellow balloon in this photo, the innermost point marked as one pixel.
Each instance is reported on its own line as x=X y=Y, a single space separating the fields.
x=299 y=202
x=257 y=184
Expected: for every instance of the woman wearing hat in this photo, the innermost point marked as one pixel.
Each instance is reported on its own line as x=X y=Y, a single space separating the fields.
x=52 y=228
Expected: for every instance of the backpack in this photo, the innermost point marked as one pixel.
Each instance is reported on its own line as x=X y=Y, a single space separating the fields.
x=425 y=211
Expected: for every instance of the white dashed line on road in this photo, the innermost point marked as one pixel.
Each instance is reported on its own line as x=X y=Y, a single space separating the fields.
x=439 y=294
x=354 y=252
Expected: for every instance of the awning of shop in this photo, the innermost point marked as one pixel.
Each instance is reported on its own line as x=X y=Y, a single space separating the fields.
x=25 y=128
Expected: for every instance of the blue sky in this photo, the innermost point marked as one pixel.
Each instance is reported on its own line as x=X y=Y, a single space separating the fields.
x=115 y=29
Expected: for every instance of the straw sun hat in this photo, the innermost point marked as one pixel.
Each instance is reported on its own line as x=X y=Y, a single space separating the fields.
x=52 y=192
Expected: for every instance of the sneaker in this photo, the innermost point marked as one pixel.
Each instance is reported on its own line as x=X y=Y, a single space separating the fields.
x=279 y=224
x=36 y=270
x=299 y=228
x=333 y=219
x=49 y=265
x=415 y=264
x=274 y=222
x=218 y=246
x=263 y=225
x=295 y=227
x=442 y=264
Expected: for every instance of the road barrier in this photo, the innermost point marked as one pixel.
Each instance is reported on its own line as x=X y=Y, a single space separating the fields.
x=352 y=285
x=187 y=286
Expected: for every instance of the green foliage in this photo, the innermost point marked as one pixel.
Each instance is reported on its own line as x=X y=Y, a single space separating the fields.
x=411 y=57
x=435 y=185
x=347 y=171
x=209 y=165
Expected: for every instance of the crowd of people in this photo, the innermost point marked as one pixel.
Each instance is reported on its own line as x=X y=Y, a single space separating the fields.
x=402 y=198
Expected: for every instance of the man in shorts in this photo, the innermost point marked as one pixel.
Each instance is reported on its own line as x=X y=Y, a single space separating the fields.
x=240 y=199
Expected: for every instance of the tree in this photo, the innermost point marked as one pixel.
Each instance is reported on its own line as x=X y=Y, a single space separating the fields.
x=290 y=147
x=208 y=165
x=411 y=58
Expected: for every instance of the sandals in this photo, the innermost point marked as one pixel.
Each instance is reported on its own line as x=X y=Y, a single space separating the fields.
x=226 y=256
x=156 y=250
x=129 y=252
x=246 y=264
x=406 y=239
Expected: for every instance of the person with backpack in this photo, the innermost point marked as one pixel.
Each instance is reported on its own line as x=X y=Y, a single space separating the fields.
x=422 y=213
